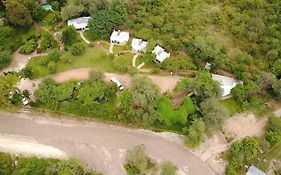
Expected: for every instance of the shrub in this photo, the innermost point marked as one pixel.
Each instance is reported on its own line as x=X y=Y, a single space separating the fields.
x=28 y=47
x=78 y=49
x=69 y=35
x=54 y=56
x=52 y=67
x=47 y=41
x=5 y=59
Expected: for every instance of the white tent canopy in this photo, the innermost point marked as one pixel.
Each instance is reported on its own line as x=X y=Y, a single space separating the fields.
x=226 y=83
x=119 y=37
x=79 y=23
x=160 y=53
x=138 y=45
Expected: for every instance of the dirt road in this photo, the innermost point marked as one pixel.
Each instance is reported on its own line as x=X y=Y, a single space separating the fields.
x=165 y=83
x=100 y=146
x=19 y=61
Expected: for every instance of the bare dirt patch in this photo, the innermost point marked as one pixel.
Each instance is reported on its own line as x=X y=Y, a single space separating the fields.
x=245 y=124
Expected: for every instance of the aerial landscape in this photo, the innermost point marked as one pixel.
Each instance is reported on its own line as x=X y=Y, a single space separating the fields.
x=140 y=87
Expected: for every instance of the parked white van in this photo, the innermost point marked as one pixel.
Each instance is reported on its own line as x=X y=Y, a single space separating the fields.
x=117 y=82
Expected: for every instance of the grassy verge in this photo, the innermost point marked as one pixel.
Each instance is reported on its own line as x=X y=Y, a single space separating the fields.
x=94 y=58
x=273 y=153
x=232 y=106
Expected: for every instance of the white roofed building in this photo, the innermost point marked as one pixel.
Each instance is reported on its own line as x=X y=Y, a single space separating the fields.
x=253 y=170
x=160 y=53
x=79 y=23
x=138 y=45
x=226 y=83
x=119 y=37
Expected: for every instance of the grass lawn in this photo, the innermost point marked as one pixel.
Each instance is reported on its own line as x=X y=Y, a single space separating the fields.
x=232 y=106
x=118 y=48
x=273 y=153
x=95 y=58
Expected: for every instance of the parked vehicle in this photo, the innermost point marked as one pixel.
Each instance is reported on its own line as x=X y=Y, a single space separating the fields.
x=117 y=82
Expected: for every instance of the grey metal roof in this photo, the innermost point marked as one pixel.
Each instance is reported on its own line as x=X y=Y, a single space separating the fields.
x=253 y=170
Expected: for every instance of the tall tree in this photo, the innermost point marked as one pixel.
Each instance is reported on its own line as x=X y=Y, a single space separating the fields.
x=213 y=112
x=18 y=13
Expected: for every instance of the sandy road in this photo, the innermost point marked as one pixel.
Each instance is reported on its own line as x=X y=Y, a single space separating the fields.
x=100 y=146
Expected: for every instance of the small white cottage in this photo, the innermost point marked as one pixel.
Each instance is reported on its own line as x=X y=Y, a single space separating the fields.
x=160 y=53
x=138 y=45
x=79 y=23
x=119 y=37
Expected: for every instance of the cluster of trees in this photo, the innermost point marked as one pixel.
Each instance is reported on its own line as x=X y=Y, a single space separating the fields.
x=104 y=21
x=242 y=153
x=139 y=163
x=91 y=96
x=24 y=12
x=10 y=165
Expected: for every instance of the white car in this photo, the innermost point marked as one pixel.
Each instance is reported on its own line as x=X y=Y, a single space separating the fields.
x=117 y=82
x=25 y=101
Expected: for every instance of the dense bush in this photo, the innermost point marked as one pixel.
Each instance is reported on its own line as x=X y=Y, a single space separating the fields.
x=92 y=97
x=195 y=133
x=242 y=153
x=69 y=35
x=29 y=47
x=47 y=41
x=5 y=59
x=34 y=165
x=78 y=49
x=273 y=133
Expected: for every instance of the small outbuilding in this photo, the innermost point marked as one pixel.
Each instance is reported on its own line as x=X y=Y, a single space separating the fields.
x=160 y=53
x=208 y=66
x=79 y=23
x=253 y=170
x=226 y=83
x=138 y=45
x=119 y=37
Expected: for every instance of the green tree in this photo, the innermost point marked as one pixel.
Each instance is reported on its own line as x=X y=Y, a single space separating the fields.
x=213 y=112
x=78 y=49
x=29 y=47
x=195 y=133
x=7 y=85
x=136 y=159
x=276 y=68
x=103 y=22
x=6 y=163
x=71 y=10
x=266 y=80
x=5 y=59
x=204 y=87
x=47 y=41
x=17 y=13
x=277 y=88
x=69 y=35
x=52 y=67
x=27 y=72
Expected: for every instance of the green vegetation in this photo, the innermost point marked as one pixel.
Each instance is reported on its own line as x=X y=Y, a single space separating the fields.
x=139 y=163
x=195 y=133
x=242 y=153
x=28 y=47
x=93 y=57
x=94 y=98
x=38 y=166
x=7 y=85
x=170 y=116
x=69 y=35
x=232 y=106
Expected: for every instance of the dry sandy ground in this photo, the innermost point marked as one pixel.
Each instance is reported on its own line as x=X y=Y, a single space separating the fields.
x=245 y=124
x=100 y=146
x=28 y=146
x=235 y=128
